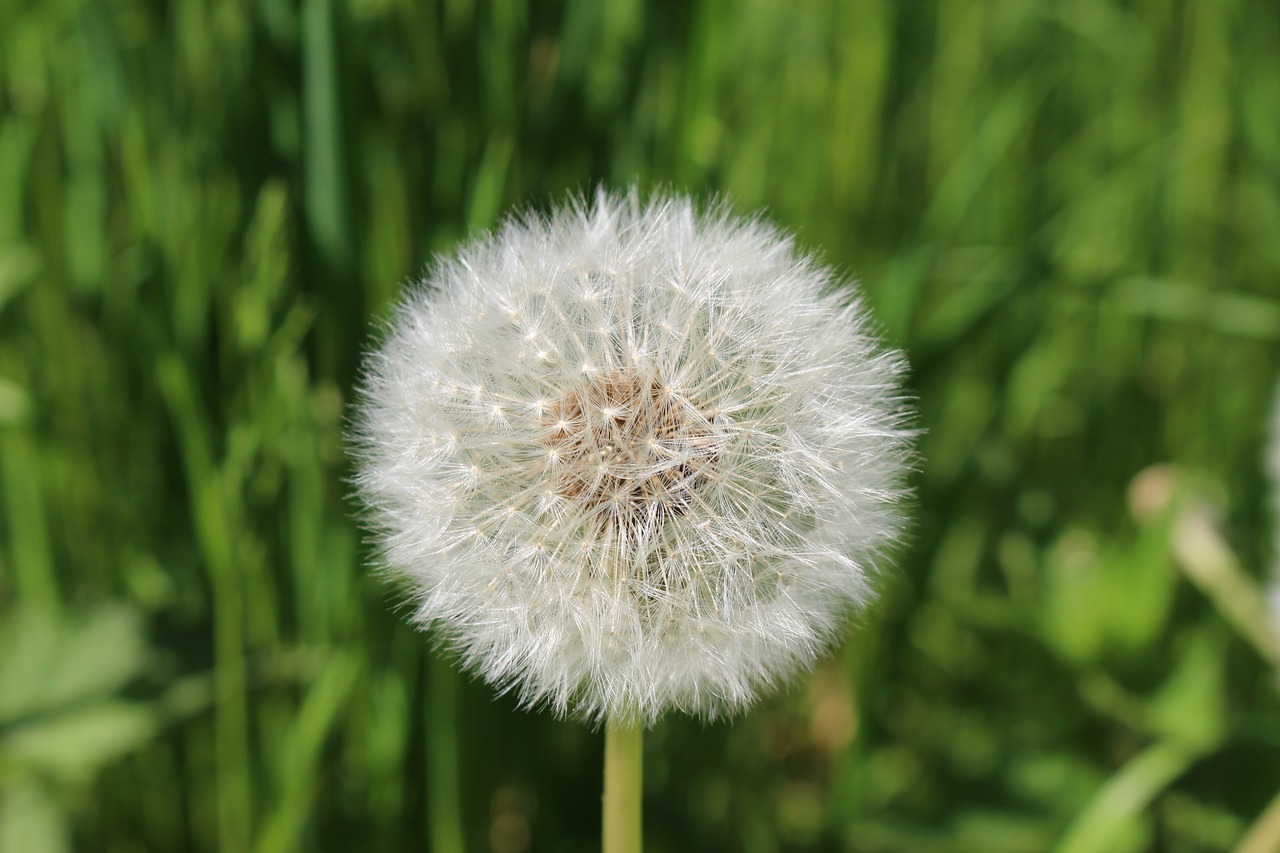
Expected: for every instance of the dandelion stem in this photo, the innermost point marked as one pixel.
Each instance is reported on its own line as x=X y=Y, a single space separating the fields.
x=623 y=775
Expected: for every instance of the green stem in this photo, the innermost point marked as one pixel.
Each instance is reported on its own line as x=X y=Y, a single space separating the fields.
x=623 y=787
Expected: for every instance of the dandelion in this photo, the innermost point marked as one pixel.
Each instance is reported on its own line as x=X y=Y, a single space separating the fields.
x=633 y=458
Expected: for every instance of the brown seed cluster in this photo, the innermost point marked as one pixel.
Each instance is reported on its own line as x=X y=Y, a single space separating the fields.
x=630 y=449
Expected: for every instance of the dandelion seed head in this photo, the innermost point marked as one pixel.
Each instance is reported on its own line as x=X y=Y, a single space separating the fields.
x=633 y=458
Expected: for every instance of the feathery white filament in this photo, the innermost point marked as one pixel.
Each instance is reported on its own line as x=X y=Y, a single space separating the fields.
x=632 y=458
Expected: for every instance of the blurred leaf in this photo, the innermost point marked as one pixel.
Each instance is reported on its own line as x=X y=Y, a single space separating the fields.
x=1191 y=704
x=1235 y=314
x=48 y=664
x=74 y=744
x=1061 y=781
x=32 y=822
x=1037 y=377
x=1109 y=599
x=325 y=177
x=14 y=403
x=300 y=752
x=29 y=547
x=972 y=284
x=19 y=266
x=1001 y=831
x=265 y=267
x=1113 y=822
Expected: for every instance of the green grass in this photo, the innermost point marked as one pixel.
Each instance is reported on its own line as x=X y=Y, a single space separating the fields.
x=1068 y=215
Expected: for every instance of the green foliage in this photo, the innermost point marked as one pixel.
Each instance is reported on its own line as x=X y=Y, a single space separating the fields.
x=1065 y=213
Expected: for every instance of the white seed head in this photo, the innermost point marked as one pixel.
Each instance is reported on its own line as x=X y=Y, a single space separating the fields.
x=631 y=458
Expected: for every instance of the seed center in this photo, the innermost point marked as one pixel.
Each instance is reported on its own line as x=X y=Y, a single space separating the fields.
x=629 y=448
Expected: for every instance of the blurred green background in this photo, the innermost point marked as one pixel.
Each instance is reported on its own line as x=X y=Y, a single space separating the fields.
x=1068 y=215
